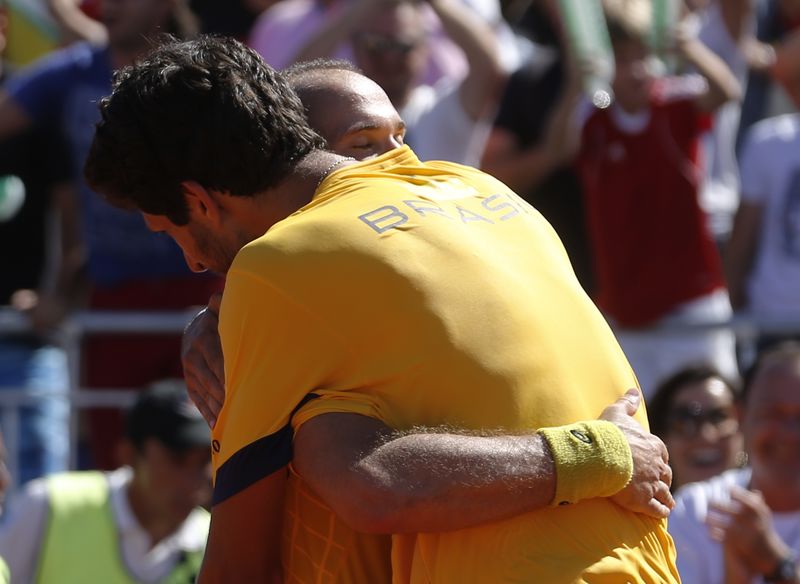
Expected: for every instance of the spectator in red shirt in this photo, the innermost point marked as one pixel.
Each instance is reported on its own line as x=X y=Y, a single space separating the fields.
x=656 y=262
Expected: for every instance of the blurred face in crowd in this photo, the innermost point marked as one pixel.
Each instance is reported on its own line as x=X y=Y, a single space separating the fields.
x=352 y=113
x=173 y=481
x=633 y=76
x=129 y=22
x=771 y=425
x=390 y=48
x=702 y=436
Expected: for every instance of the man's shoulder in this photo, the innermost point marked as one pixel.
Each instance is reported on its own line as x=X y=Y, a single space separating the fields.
x=365 y=199
x=64 y=69
x=193 y=532
x=77 y=57
x=775 y=130
x=66 y=490
x=78 y=488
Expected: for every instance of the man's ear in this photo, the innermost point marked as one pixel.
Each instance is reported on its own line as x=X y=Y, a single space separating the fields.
x=201 y=202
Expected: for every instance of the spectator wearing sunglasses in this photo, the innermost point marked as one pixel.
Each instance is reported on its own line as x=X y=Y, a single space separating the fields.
x=694 y=412
x=743 y=526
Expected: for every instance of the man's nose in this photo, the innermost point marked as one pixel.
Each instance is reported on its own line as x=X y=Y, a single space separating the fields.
x=195 y=266
x=390 y=144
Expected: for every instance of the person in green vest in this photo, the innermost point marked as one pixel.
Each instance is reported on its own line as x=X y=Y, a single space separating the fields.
x=142 y=523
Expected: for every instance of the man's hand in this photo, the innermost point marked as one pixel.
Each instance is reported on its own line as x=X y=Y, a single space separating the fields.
x=46 y=311
x=203 y=367
x=648 y=491
x=744 y=527
x=736 y=571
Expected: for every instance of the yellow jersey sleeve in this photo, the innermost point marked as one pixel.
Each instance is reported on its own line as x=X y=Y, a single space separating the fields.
x=276 y=352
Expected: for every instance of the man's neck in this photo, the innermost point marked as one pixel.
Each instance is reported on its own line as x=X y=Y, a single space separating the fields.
x=151 y=521
x=255 y=215
x=297 y=189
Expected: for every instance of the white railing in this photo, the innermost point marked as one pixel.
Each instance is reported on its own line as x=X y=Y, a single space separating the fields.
x=69 y=336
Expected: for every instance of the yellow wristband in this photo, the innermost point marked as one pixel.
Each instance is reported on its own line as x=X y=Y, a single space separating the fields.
x=593 y=459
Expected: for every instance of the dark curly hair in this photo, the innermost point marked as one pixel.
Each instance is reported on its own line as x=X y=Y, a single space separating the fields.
x=208 y=110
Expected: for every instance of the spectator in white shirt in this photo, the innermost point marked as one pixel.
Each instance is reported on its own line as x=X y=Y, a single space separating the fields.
x=744 y=525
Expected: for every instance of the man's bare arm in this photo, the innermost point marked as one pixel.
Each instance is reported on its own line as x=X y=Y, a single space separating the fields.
x=244 y=541
x=722 y=85
x=741 y=249
x=75 y=24
x=523 y=168
x=485 y=77
x=440 y=482
x=513 y=473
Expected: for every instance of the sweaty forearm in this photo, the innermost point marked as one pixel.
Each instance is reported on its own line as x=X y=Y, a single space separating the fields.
x=379 y=481
x=433 y=482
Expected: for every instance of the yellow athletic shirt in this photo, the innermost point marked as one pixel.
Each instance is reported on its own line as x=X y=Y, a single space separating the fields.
x=424 y=294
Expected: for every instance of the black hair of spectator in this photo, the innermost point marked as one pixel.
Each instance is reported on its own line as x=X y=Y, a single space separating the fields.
x=164 y=412
x=782 y=352
x=208 y=110
x=660 y=406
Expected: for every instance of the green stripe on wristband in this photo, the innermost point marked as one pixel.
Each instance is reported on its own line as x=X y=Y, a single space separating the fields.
x=593 y=459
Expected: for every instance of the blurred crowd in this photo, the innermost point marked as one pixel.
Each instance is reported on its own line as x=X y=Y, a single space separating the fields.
x=666 y=155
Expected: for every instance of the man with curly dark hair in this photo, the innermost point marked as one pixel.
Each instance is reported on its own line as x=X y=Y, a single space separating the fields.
x=368 y=297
